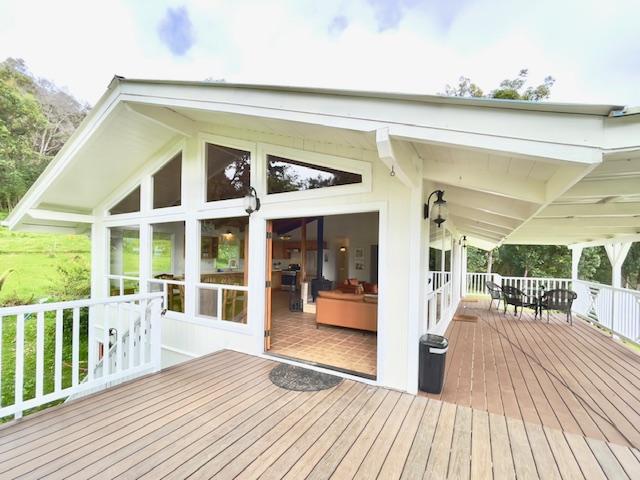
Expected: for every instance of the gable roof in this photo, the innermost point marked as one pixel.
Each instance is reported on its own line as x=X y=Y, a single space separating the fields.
x=541 y=150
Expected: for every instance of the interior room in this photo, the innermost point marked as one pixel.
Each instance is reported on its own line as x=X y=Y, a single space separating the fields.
x=324 y=291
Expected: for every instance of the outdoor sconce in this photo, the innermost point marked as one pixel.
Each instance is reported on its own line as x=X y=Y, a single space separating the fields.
x=439 y=210
x=251 y=201
x=463 y=241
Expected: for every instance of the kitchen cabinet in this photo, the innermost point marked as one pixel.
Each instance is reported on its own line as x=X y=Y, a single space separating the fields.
x=276 y=279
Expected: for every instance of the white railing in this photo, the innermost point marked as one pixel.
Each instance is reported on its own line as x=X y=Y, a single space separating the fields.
x=108 y=324
x=123 y=285
x=617 y=309
x=439 y=304
x=530 y=285
x=476 y=283
x=223 y=302
x=437 y=279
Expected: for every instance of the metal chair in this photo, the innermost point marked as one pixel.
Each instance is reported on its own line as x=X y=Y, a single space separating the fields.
x=560 y=300
x=495 y=292
x=516 y=297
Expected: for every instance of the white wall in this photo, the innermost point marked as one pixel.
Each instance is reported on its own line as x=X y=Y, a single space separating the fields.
x=385 y=194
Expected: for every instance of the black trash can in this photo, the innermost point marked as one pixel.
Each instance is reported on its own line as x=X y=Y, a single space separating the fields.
x=433 y=353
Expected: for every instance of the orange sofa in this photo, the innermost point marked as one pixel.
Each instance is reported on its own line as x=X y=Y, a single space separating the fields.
x=347 y=310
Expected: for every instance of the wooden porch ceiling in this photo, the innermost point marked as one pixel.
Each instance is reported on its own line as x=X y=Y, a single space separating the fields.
x=220 y=417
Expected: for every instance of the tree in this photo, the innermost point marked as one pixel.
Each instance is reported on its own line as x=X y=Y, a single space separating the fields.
x=36 y=119
x=510 y=89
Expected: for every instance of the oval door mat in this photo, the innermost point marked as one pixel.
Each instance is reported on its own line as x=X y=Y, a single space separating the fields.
x=302 y=379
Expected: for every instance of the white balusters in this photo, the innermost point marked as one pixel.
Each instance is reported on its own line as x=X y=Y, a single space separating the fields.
x=39 y=353
x=57 y=354
x=19 y=377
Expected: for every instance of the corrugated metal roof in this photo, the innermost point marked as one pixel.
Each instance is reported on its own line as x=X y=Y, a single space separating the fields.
x=573 y=108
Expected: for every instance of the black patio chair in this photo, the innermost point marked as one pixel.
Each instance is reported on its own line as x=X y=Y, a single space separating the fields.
x=516 y=297
x=560 y=300
x=495 y=292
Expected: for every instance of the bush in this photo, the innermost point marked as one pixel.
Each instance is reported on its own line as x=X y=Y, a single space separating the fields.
x=74 y=280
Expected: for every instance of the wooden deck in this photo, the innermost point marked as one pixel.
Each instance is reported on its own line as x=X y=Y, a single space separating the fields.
x=570 y=378
x=220 y=417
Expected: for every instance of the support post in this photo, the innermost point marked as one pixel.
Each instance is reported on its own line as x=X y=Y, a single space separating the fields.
x=576 y=254
x=617 y=252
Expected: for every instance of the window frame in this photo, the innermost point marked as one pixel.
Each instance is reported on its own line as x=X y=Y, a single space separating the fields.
x=244 y=328
x=152 y=190
x=120 y=198
x=349 y=165
x=254 y=166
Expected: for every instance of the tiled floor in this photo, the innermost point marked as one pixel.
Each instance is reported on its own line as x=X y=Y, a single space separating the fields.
x=294 y=334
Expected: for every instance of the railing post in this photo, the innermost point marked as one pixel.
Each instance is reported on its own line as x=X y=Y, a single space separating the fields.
x=19 y=380
x=156 y=335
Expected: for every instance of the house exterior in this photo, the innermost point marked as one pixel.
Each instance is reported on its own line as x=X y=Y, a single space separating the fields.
x=511 y=171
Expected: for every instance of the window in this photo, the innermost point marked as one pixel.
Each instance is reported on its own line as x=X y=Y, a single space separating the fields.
x=129 y=204
x=228 y=172
x=285 y=175
x=224 y=269
x=124 y=260
x=167 y=184
x=167 y=263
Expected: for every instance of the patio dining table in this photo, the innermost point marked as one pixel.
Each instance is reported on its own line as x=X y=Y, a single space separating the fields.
x=536 y=294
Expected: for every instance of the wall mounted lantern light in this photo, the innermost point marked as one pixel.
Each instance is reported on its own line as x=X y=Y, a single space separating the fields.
x=463 y=241
x=251 y=201
x=439 y=210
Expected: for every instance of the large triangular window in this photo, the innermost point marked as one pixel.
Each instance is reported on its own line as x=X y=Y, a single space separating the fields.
x=286 y=175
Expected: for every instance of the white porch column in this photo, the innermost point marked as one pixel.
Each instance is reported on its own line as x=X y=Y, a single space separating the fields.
x=617 y=252
x=576 y=254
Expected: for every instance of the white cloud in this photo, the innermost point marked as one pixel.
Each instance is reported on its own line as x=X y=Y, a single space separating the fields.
x=591 y=48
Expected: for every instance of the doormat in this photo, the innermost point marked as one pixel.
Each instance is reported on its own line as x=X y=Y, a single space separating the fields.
x=470 y=300
x=463 y=317
x=302 y=379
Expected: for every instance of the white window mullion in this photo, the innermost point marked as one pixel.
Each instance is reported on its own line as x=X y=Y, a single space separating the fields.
x=145 y=257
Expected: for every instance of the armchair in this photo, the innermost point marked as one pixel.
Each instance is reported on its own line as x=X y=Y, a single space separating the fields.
x=516 y=297
x=495 y=292
x=560 y=300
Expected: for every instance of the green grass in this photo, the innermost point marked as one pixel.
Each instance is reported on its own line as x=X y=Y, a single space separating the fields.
x=35 y=259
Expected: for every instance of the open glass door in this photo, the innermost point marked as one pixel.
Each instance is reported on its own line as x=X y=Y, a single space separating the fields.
x=268 y=298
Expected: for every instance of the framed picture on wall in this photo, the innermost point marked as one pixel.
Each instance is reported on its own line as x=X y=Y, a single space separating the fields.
x=359 y=266
x=358 y=253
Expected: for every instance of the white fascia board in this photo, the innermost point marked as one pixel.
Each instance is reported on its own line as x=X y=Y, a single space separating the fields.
x=532 y=134
x=83 y=133
x=501 y=145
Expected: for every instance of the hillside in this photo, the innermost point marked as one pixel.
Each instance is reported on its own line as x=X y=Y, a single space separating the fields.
x=36 y=259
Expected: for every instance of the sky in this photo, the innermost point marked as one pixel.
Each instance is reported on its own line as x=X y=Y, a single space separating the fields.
x=591 y=48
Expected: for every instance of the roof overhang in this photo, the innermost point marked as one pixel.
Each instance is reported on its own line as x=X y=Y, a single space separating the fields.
x=510 y=169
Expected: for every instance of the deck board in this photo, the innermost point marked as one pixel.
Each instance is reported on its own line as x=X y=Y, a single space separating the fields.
x=568 y=377
x=220 y=417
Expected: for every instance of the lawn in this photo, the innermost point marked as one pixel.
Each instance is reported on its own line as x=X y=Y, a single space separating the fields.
x=35 y=259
